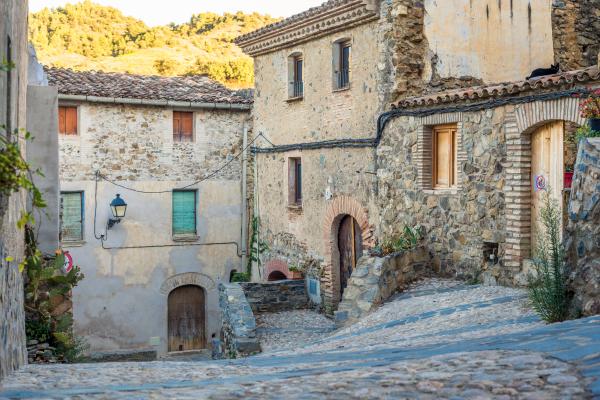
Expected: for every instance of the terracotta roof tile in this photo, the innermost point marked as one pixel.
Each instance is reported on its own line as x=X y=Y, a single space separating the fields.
x=194 y=88
x=561 y=80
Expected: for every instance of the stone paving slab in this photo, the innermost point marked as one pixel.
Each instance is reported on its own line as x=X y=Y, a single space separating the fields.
x=478 y=343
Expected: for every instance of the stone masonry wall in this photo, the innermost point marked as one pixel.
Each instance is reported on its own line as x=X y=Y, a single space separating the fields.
x=583 y=230
x=576 y=31
x=376 y=279
x=13 y=25
x=239 y=326
x=276 y=296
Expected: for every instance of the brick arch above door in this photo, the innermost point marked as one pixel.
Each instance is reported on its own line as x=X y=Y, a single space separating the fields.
x=337 y=209
x=519 y=124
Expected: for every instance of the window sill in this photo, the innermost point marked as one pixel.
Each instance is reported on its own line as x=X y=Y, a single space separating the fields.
x=294 y=99
x=295 y=207
x=443 y=191
x=342 y=89
x=74 y=243
x=185 y=238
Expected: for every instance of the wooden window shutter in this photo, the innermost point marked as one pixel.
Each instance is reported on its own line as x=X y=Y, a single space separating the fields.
x=444 y=157
x=184 y=212
x=67 y=120
x=183 y=126
x=71 y=227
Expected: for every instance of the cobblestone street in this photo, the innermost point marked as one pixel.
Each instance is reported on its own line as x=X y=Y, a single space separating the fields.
x=440 y=339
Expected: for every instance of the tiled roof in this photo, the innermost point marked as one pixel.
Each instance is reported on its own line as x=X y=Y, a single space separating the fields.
x=194 y=88
x=561 y=80
x=311 y=12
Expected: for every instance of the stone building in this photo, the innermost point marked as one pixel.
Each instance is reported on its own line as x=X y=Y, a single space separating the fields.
x=341 y=173
x=168 y=147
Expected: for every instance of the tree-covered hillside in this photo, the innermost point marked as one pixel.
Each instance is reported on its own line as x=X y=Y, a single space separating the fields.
x=87 y=36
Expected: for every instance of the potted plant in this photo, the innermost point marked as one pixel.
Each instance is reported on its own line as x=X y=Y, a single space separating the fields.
x=590 y=109
x=295 y=272
x=568 y=177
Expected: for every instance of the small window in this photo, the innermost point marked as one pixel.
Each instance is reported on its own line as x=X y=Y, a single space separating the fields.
x=444 y=157
x=183 y=126
x=295 y=181
x=71 y=216
x=296 y=75
x=67 y=120
x=341 y=60
x=184 y=212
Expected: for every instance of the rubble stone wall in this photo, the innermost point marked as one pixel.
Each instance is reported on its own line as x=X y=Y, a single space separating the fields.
x=583 y=229
x=276 y=296
x=239 y=325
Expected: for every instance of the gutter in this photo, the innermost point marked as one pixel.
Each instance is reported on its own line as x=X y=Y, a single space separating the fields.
x=157 y=103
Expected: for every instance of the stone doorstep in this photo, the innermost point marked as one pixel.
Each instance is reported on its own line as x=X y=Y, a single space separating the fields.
x=123 y=356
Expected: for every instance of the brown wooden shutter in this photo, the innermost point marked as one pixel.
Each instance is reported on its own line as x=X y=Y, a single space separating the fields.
x=176 y=125
x=62 y=120
x=71 y=121
x=187 y=126
x=444 y=157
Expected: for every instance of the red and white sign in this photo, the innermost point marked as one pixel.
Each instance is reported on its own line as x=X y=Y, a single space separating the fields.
x=68 y=265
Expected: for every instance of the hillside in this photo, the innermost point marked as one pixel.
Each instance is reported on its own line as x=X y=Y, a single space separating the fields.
x=88 y=36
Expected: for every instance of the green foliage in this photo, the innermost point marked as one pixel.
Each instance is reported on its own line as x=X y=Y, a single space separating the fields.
x=257 y=247
x=548 y=287
x=86 y=36
x=408 y=239
x=47 y=287
x=585 y=132
x=241 y=277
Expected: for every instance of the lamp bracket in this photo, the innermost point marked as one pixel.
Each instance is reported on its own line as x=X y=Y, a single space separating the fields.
x=112 y=222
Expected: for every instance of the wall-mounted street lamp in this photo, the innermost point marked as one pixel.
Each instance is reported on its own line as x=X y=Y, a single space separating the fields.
x=118 y=207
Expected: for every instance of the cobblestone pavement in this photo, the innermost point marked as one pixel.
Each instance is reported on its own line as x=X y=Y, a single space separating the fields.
x=291 y=329
x=440 y=339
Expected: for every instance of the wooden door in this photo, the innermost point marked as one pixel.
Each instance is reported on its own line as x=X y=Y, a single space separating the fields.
x=547 y=169
x=350 y=247
x=186 y=319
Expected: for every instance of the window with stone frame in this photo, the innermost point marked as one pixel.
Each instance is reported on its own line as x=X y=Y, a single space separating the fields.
x=67 y=120
x=341 y=64
x=183 y=126
x=445 y=156
x=295 y=181
x=296 y=76
x=71 y=216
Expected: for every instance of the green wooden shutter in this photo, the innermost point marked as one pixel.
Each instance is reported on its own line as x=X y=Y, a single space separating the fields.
x=72 y=216
x=184 y=212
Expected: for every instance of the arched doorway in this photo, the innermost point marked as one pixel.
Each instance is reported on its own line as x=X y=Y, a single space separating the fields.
x=276 y=276
x=186 y=318
x=547 y=171
x=350 y=249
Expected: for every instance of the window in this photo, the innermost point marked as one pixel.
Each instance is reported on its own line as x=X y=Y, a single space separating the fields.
x=184 y=213
x=295 y=181
x=67 y=120
x=183 y=126
x=444 y=157
x=71 y=216
x=296 y=76
x=341 y=62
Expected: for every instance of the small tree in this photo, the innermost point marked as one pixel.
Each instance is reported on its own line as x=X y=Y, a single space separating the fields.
x=548 y=289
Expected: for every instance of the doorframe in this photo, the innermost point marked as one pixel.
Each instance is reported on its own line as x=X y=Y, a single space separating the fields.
x=204 y=328
x=519 y=124
x=337 y=209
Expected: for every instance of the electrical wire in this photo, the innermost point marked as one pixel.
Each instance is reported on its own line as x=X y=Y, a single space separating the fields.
x=209 y=176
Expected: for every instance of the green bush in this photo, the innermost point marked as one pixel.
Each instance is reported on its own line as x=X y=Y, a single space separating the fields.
x=408 y=239
x=548 y=287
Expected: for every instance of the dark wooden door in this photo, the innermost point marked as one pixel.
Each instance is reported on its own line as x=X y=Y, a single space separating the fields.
x=350 y=247
x=186 y=319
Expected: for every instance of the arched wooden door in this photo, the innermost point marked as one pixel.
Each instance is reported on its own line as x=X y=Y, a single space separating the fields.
x=186 y=318
x=350 y=247
x=547 y=170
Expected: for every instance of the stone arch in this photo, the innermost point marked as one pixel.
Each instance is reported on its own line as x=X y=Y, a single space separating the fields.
x=337 y=209
x=518 y=127
x=186 y=279
x=277 y=266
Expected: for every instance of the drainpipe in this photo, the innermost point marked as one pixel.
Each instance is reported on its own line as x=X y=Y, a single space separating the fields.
x=245 y=198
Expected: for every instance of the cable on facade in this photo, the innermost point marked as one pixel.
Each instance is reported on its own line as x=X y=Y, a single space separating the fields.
x=388 y=116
